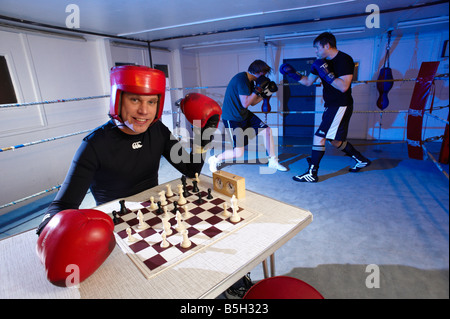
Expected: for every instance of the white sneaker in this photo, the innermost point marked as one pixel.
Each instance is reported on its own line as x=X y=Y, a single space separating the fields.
x=213 y=161
x=273 y=163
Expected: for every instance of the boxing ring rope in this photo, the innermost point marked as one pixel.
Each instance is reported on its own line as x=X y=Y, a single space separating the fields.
x=14 y=105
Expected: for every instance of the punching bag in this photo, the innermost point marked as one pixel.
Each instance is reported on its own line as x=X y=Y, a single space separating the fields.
x=385 y=74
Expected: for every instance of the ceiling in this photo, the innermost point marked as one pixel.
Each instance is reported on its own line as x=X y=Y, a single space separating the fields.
x=176 y=24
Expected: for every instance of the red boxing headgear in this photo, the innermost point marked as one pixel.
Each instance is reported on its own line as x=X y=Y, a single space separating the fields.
x=135 y=79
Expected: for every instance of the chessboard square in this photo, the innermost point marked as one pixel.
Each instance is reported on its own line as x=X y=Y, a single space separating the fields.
x=170 y=253
x=139 y=245
x=214 y=220
x=207 y=205
x=216 y=209
x=211 y=231
x=153 y=221
x=217 y=201
x=128 y=217
x=196 y=210
x=202 y=225
x=192 y=231
x=147 y=253
x=147 y=232
x=193 y=220
x=155 y=261
x=205 y=215
x=158 y=248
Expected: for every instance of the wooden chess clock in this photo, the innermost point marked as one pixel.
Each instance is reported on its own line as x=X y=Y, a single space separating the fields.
x=229 y=184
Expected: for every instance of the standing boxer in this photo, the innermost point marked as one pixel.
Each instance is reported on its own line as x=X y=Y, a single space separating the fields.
x=241 y=93
x=118 y=159
x=335 y=68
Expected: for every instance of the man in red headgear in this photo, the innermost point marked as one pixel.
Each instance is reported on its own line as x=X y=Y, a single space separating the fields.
x=118 y=159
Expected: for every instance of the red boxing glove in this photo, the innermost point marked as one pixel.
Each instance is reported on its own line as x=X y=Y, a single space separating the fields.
x=201 y=109
x=74 y=244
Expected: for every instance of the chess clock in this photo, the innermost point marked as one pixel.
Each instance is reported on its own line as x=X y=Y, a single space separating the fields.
x=229 y=184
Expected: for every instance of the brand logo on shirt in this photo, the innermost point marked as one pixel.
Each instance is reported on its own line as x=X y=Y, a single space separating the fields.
x=136 y=145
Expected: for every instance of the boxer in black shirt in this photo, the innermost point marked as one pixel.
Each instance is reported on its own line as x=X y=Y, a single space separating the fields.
x=335 y=69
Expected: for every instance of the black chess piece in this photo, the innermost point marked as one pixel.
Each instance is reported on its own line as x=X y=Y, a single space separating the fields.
x=115 y=220
x=200 y=199
x=195 y=188
x=123 y=209
x=159 y=210
x=209 y=194
x=185 y=191
x=175 y=207
x=183 y=180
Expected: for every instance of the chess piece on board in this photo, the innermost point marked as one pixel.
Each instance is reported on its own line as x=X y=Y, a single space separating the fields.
x=142 y=224
x=153 y=206
x=225 y=212
x=162 y=198
x=181 y=199
x=169 y=192
x=235 y=218
x=166 y=226
x=130 y=238
x=186 y=214
x=186 y=243
x=164 y=243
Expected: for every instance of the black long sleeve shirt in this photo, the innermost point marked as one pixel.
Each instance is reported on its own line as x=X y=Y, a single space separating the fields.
x=114 y=165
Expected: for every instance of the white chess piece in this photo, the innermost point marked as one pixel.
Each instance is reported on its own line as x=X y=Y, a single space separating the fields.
x=142 y=224
x=169 y=192
x=181 y=199
x=197 y=179
x=235 y=218
x=152 y=203
x=166 y=226
x=162 y=198
x=225 y=212
x=187 y=214
x=166 y=212
x=179 y=226
x=164 y=243
x=131 y=239
x=186 y=243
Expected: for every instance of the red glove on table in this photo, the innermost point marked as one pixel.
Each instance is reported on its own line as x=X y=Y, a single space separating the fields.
x=74 y=244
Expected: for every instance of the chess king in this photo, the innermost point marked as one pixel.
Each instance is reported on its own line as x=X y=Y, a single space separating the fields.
x=116 y=160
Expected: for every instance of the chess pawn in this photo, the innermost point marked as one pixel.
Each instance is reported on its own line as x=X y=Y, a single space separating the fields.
x=131 y=239
x=181 y=200
x=186 y=243
x=152 y=203
x=164 y=243
x=186 y=214
x=169 y=192
x=225 y=212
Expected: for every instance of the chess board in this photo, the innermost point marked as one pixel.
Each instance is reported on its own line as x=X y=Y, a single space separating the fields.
x=205 y=226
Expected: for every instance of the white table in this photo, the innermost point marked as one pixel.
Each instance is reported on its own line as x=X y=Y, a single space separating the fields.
x=205 y=274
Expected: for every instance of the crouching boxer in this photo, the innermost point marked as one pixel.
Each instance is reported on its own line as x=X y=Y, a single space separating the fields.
x=118 y=159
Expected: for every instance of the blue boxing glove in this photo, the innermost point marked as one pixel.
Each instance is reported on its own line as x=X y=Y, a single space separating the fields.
x=321 y=68
x=287 y=69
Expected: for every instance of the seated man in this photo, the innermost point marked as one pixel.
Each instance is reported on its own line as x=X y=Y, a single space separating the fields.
x=119 y=159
